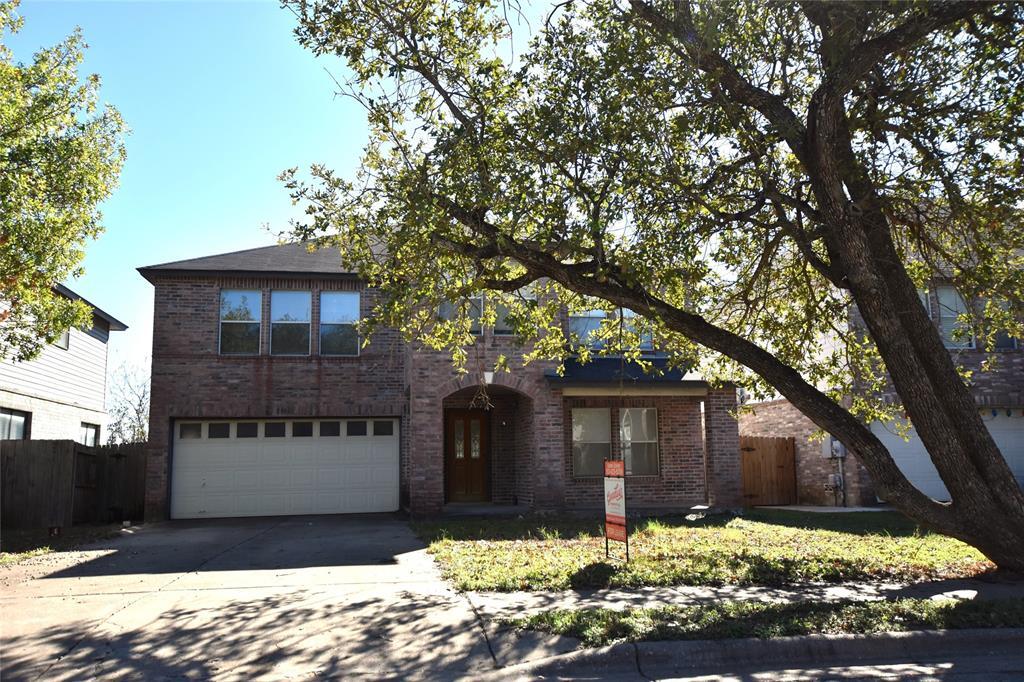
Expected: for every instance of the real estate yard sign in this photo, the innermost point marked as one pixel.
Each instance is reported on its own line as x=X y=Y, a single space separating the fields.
x=615 y=505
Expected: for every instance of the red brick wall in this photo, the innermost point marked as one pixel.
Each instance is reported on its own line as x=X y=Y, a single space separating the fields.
x=531 y=460
x=779 y=418
x=533 y=432
x=190 y=378
x=680 y=483
x=722 y=443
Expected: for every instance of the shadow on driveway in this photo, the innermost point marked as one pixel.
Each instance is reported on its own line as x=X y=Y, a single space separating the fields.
x=263 y=543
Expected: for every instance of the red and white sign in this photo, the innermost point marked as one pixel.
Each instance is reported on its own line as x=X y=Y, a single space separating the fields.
x=615 y=500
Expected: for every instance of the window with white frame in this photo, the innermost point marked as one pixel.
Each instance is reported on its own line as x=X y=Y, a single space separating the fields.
x=339 y=313
x=646 y=338
x=448 y=311
x=955 y=333
x=240 y=313
x=14 y=424
x=289 y=322
x=591 y=440
x=89 y=434
x=922 y=295
x=583 y=327
x=64 y=340
x=638 y=437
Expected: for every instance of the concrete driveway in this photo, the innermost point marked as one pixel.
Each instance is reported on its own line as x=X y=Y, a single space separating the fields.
x=268 y=598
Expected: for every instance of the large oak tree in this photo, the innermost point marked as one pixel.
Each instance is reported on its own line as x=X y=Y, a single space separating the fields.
x=741 y=175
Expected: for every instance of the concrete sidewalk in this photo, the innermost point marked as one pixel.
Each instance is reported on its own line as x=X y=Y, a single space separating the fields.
x=507 y=604
x=954 y=654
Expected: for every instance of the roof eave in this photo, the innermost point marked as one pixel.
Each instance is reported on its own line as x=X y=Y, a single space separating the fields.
x=151 y=273
x=115 y=324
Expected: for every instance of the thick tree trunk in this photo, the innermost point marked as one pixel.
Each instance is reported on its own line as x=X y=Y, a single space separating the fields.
x=988 y=505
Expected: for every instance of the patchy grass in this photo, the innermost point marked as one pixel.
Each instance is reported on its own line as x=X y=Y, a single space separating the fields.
x=763 y=547
x=736 y=619
x=18 y=545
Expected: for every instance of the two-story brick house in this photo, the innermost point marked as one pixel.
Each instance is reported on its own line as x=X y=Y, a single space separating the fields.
x=265 y=402
x=826 y=475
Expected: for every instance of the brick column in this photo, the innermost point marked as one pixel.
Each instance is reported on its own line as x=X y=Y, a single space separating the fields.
x=722 y=447
x=426 y=454
x=548 y=451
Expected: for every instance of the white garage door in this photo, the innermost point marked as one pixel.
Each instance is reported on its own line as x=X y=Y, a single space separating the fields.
x=280 y=467
x=1006 y=427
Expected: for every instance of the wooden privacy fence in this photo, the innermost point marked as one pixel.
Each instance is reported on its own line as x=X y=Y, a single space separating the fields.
x=48 y=483
x=769 y=470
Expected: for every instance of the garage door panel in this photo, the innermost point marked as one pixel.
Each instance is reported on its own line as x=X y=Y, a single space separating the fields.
x=286 y=475
x=1007 y=431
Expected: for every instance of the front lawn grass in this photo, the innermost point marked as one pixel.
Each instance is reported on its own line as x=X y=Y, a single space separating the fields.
x=763 y=547
x=739 y=619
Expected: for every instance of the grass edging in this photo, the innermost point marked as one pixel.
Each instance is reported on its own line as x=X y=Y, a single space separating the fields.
x=763 y=620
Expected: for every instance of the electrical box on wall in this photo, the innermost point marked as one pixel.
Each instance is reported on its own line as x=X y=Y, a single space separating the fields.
x=834 y=482
x=832 y=448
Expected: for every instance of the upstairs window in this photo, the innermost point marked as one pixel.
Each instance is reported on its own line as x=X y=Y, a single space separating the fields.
x=955 y=334
x=638 y=435
x=583 y=327
x=591 y=440
x=64 y=340
x=449 y=312
x=339 y=312
x=240 y=313
x=646 y=338
x=13 y=424
x=290 y=322
x=1005 y=342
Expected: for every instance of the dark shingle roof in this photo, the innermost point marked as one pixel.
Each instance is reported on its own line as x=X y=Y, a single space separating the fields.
x=283 y=259
x=116 y=325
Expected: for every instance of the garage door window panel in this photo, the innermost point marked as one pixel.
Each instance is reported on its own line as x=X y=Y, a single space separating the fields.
x=355 y=428
x=240 y=313
x=339 y=313
x=219 y=430
x=290 y=315
x=330 y=429
x=247 y=430
x=190 y=431
x=274 y=430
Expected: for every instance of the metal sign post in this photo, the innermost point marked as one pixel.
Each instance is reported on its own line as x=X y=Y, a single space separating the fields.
x=615 y=527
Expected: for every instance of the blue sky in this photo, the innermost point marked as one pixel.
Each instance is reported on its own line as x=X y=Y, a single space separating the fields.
x=220 y=98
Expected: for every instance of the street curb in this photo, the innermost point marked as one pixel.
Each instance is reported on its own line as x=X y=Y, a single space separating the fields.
x=680 y=658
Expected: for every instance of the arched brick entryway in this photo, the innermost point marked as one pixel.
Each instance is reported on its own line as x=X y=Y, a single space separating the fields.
x=507 y=417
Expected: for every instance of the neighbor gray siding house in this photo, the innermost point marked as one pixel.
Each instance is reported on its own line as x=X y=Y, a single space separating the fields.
x=61 y=394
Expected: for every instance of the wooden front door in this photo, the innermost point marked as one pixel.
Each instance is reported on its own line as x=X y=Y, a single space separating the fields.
x=466 y=455
x=769 y=470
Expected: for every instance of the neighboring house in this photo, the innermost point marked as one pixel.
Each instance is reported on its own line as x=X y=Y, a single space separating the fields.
x=999 y=394
x=265 y=403
x=61 y=394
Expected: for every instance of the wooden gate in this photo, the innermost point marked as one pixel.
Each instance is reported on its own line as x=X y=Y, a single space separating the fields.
x=769 y=470
x=47 y=483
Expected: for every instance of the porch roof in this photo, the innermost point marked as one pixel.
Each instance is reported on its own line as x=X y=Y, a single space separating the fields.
x=616 y=372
